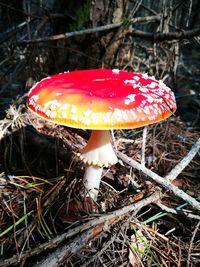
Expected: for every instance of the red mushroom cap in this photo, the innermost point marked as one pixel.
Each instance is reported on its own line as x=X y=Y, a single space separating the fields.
x=102 y=99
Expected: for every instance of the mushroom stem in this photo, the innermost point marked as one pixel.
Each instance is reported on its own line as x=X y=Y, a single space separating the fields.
x=92 y=181
x=98 y=153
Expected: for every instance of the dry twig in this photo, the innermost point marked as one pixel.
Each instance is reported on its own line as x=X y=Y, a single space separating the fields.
x=184 y=162
x=191 y=243
x=182 y=211
x=102 y=221
x=155 y=37
x=165 y=183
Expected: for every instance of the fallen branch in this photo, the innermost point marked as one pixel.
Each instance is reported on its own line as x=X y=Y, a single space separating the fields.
x=58 y=257
x=155 y=37
x=107 y=219
x=168 y=36
x=71 y=34
x=184 y=212
x=184 y=162
x=160 y=180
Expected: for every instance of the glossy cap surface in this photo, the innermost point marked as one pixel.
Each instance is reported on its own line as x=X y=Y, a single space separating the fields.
x=102 y=99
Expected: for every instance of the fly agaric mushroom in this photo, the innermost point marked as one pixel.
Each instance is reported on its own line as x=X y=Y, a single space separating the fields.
x=100 y=100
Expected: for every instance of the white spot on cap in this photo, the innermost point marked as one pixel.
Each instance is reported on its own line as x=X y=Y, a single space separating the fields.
x=162 y=84
x=158 y=100
x=58 y=94
x=139 y=110
x=130 y=98
x=135 y=86
x=156 y=106
x=54 y=105
x=95 y=119
x=73 y=109
x=38 y=107
x=74 y=117
x=152 y=85
x=151 y=118
x=149 y=98
x=32 y=102
x=87 y=112
x=151 y=107
x=146 y=110
x=35 y=97
x=87 y=121
x=99 y=80
x=116 y=71
x=50 y=104
x=132 y=112
x=145 y=76
x=143 y=89
x=143 y=103
x=124 y=115
x=137 y=78
x=155 y=111
x=167 y=96
x=117 y=114
x=64 y=114
x=47 y=113
x=107 y=117
x=52 y=115
x=129 y=81
x=65 y=106
x=172 y=102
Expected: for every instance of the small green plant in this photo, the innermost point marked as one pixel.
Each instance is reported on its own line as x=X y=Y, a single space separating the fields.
x=146 y=252
x=23 y=218
x=81 y=17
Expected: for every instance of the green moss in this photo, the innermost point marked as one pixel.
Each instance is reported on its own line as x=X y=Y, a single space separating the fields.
x=195 y=53
x=81 y=17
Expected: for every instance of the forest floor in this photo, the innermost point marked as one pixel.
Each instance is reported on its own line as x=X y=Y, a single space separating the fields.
x=136 y=222
x=147 y=212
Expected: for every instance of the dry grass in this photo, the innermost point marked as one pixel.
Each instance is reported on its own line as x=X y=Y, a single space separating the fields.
x=42 y=212
x=40 y=195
